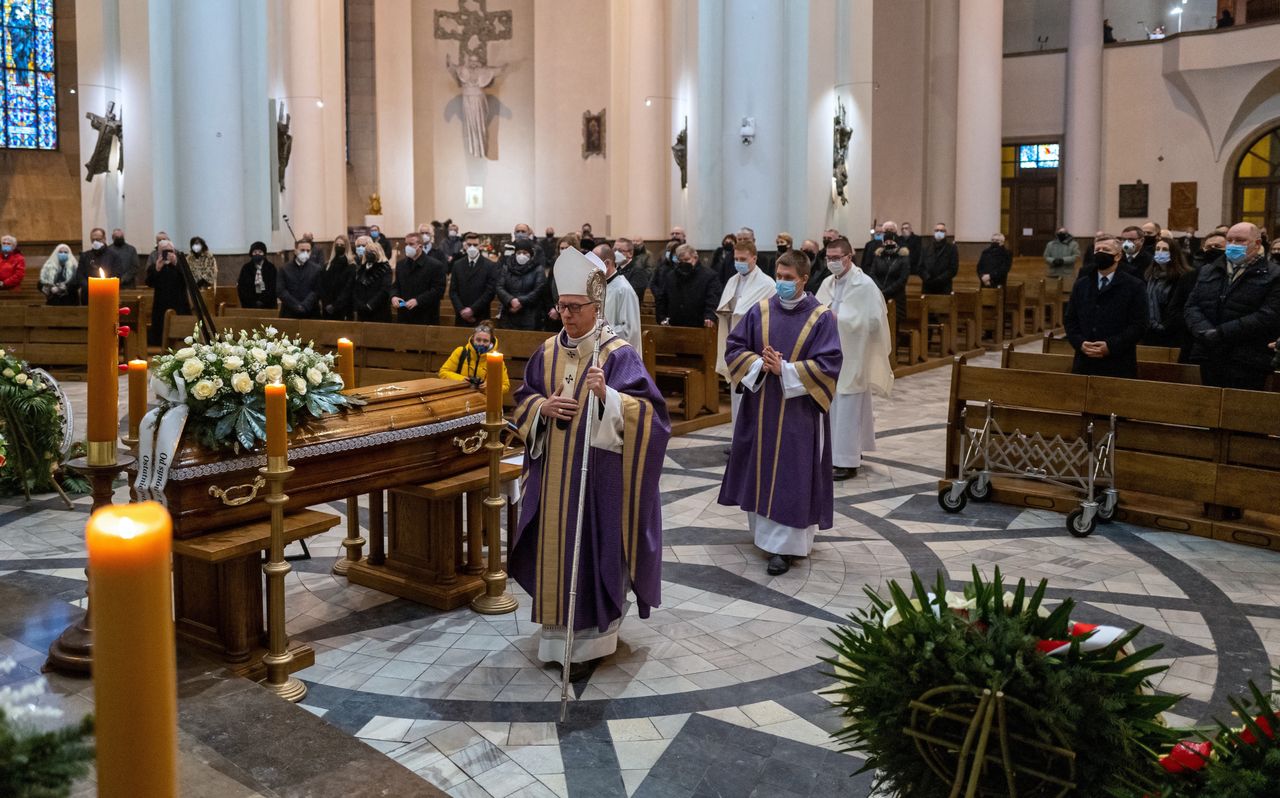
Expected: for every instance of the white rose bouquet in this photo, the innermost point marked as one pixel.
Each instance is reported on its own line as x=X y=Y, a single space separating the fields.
x=223 y=383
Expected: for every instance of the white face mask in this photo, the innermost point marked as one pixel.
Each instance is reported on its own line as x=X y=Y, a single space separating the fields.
x=522 y=258
x=303 y=256
x=939 y=235
x=619 y=258
x=197 y=248
x=473 y=252
x=97 y=245
x=453 y=234
x=410 y=251
x=836 y=267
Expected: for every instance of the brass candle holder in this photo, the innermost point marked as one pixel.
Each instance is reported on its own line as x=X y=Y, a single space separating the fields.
x=495 y=600
x=101 y=453
x=278 y=657
x=72 y=653
x=353 y=542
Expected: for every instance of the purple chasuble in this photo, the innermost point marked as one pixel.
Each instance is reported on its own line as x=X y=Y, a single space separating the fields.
x=780 y=463
x=622 y=527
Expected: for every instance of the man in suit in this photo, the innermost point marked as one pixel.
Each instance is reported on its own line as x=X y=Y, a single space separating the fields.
x=473 y=282
x=1107 y=315
x=419 y=283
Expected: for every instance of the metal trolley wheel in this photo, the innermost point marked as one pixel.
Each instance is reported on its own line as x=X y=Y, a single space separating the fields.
x=952 y=504
x=1077 y=526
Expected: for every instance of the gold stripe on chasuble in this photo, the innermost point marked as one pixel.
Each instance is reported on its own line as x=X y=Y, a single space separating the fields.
x=764 y=338
x=635 y=446
x=740 y=364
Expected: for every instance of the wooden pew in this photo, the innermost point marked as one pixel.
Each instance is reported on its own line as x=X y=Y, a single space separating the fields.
x=969 y=317
x=943 y=322
x=1015 y=309
x=1151 y=371
x=1055 y=303
x=1153 y=354
x=687 y=357
x=914 y=337
x=58 y=338
x=1033 y=302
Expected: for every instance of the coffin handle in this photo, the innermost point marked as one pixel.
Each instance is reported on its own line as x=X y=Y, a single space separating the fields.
x=471 y=444
x=225 y=495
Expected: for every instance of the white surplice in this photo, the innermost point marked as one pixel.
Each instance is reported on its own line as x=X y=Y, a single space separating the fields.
x=741 y=293
x=622 y=311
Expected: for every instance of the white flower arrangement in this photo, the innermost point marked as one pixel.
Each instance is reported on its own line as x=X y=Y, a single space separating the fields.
x=222 y=382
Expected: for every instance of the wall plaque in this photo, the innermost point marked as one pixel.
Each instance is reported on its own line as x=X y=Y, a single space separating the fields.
x=1133 y=200
x=1183 y=213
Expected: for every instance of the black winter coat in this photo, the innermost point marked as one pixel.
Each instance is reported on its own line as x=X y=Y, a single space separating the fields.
x=91 y=263
x=371 y=291
x=1117 y=315
x=1171 y=330
x=170 y=289
x=299 y=290
x=1246 y=314
x=939 y=264
x=1137 y=266
x=995 y=261
x=687 y=300
x=890 y=273
x=423 y=278
x=526 y=284
x=249 y=296
x=335 y=288
x=472 y=286
x=639 y=275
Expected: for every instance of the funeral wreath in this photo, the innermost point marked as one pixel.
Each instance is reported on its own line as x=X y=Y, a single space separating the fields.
x=35 y=431
x=988 y=692
x=223 y=384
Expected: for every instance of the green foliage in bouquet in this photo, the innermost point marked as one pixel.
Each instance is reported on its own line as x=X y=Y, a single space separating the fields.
x=35 y=763
x=31 y=432
x=1241 y=761
x=1095 y=703
x=224 y=384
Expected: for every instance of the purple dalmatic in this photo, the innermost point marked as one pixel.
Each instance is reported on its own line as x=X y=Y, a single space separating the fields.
x=622 y=528
x=780 y=463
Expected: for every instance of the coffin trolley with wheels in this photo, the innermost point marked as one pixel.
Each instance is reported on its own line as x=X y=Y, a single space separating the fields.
x=1080 y=464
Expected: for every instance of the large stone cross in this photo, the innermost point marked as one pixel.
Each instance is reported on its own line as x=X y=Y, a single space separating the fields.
x=473 y=28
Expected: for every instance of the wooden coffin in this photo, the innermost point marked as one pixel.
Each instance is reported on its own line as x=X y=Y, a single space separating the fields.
x=409 y=432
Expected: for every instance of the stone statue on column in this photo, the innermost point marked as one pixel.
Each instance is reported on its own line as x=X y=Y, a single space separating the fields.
x=110 y=132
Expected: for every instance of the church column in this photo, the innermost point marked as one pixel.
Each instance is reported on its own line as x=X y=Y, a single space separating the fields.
x=979 y=77
x=855 y=86
x=940 y=141
x=1082 y=152
x=708 y=140
x=97 y=84
x=146 y=88
x=393 y=76
x=648 y=134
x=754 y=174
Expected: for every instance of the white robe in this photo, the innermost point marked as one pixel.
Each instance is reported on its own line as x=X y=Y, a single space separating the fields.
x=741 y=293
x=622 y=311
x=863 y=323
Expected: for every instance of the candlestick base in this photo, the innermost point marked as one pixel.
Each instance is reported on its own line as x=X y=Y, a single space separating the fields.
x=495 y=600
x=291 y=689
x=129 y=441
x=72 y=653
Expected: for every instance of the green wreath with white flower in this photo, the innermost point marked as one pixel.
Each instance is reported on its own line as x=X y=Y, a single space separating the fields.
x=35 y=432
x=223 y=383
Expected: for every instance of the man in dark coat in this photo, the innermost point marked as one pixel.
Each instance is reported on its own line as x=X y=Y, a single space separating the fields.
x=994 y=263
x=420 y=283
x=631 y=267
x=521 y=283
x=1135 y=258
x=127 y=256
x=1106 y=316
x=1234 y=313
x=939 y=262
x=689 y=293
x=889 y=266
x=908 y=239
x=299 y=285
x=97 y=260
x=256 y=285
x=472 y=283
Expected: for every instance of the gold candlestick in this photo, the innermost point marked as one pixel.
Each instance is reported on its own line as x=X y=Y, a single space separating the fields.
x=495 y=600
x=353 y=542
x=278 y=657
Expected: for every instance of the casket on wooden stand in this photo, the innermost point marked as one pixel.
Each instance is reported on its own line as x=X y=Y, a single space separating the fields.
x=408 y=433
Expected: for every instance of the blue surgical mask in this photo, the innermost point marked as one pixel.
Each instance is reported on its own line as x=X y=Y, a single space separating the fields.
x=938 y=235
x=742 y=266
x=879 y=237
x=6 y=249
x=480 y=348
x=1161 y=256
x=786 y=290
x=360 y=251
x=63 y=257
x=1235 y=252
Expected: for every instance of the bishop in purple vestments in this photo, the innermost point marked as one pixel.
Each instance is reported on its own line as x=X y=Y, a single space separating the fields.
x=784 y=356
x=622 y=516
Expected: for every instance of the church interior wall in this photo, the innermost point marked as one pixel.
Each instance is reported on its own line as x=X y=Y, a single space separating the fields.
x=361 y=106
x=40 y=189
x=899 y=111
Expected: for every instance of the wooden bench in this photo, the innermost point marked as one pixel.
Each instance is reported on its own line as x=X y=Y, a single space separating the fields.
x=1150 y=370
x=1155 y=354
x=687 y=357
x=969 y=317
x=57 y=337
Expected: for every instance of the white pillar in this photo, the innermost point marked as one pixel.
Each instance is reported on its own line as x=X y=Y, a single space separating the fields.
x=1082 y=153
x=315 y=183
x=979 y=88
x=145 y=84
x=393 y=31
x=648 y=137
x=98 y=83
x=856 y=87
x=753 y=177
x=940 y=141
x=708 y=137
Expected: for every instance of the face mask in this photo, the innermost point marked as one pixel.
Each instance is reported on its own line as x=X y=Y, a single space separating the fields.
x=96 y=244
x=62 y=256
x=1275 y=256
x=726 y=246
x=906 y=232
x=783 y=246
x=6 y=249
x=1235 y=252
x=1103 y=260
x=480 y=348
x=519 y=236
x=887 y=237
x=303 y=257
x=375 y=235
x=995 y=243
x=117 y=239
x=410 y=251
x=939 y=235
x=1129 y=246
x=786 y=290
x=1161 y=256
x=890 y=247
x=339 y=249
x=522 y=258
x=197 y=248
x=619 y=258
x=257 y=258
x=742 y=266
x=685 y=269
x=836 y=267
x=360 y=251
x=1063 y=237
x=453 y=234
x=473 y=252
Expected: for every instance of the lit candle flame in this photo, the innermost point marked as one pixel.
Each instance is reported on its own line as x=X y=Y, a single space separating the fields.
x=102 y=274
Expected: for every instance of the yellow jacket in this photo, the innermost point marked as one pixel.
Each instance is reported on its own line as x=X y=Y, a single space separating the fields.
x=466 y=363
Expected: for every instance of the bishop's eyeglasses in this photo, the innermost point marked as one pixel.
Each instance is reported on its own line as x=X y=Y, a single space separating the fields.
x=571 y=307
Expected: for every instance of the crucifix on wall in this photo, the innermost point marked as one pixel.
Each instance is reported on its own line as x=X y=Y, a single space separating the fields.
x=473 y=27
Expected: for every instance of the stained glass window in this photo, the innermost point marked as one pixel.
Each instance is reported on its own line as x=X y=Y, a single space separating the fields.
x=28 y=89
x=1038 y=156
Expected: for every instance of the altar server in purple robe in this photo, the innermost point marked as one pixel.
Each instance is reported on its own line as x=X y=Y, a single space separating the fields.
x=622 y=516
x=785 y=357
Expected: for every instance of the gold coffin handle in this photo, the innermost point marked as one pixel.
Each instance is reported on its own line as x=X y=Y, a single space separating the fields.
x=226 y=495
x=471 y=444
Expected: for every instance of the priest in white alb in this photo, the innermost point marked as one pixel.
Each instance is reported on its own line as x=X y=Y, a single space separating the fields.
x=621 y=309
x=863 y=322
x=748 y=287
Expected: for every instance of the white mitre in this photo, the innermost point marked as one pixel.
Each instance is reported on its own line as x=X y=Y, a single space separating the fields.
x=573 y=271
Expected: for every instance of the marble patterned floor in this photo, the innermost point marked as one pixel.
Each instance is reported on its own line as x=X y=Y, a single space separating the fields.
x=719 y=692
